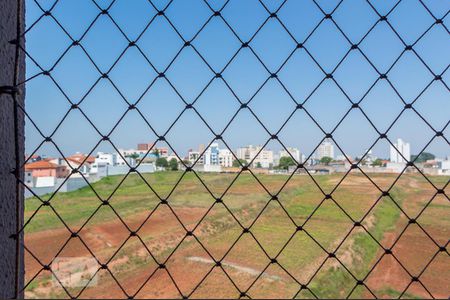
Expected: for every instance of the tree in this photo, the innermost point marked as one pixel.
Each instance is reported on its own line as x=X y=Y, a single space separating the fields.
x=286 y=162
x=326 y=160
x=423 y=157
x=258 y=165
x=162 y=162
x=236 y=163
x=377 y=163
x=173 y=164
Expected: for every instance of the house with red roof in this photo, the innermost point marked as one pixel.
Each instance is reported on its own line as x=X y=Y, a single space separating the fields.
x=79 y=161
x=44 y=168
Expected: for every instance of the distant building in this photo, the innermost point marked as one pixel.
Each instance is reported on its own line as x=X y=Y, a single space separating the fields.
x=303 y=158
x=211 y=156
x=264 y=159
x=326 y=149
x=79 y=161
x=435 y=167
x=43 y=168
x=80 y=157
x=56 y=161
x=109 y=159
x=444 y=165
x=114 y=159
x=126 y=161
x=399 y=155
x=132 y=152
x=145 y=147
x=226 y=158
x=217 y=157
x=161 y=151
x=194 y=157
x=291 y=152
x=259 y=156
x=401 y=152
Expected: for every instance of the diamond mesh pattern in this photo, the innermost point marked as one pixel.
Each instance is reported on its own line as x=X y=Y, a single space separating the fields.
x=330 y=70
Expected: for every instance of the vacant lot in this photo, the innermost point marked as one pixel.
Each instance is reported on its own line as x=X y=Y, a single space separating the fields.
x=285 y=246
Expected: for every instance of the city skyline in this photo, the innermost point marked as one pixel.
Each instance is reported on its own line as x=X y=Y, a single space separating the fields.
x=42 y=174
x=396 y=152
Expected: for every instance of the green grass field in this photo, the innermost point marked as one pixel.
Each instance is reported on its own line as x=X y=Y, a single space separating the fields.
x=296 y=252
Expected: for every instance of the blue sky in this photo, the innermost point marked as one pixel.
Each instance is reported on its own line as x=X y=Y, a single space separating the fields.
x=161 y=105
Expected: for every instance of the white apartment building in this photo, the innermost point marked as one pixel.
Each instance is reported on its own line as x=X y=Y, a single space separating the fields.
x=291 y=152
x=444 y=165
x=109 y=159
x=211 y=155
x=193 y=156
x=214 y=156
x=265 y=158
x=125 y=161
x=226 y=158
x=326 y=149
x=401 y=152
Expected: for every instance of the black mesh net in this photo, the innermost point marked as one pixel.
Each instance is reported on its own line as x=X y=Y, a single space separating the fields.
x=296 y=236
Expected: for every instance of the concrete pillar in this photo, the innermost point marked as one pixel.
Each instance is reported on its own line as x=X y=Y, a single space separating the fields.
x=12 y=67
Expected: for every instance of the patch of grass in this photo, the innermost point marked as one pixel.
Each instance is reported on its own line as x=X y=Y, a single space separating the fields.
x=33 y=285
x=41 y=280
x=337 y=282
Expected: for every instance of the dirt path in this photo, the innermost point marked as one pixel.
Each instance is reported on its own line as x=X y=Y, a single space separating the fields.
x=239 y=268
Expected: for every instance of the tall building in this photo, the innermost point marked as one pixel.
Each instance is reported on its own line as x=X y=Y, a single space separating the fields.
x=213 y=156
x=194 y=156
x=325 y=149
x=262 y=157
x=226 y=158
x=401 y=152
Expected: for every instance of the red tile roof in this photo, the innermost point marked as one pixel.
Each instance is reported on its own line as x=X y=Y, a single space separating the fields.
x=42 y=164
x=78 y=158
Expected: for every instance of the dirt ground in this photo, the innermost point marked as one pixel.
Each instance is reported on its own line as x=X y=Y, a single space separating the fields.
x=414 y=251
x=136 y=272
x=104 y=239
x=417 y=247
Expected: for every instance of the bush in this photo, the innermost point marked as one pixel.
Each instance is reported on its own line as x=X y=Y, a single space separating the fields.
x=162 y=162
x=173 y=164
